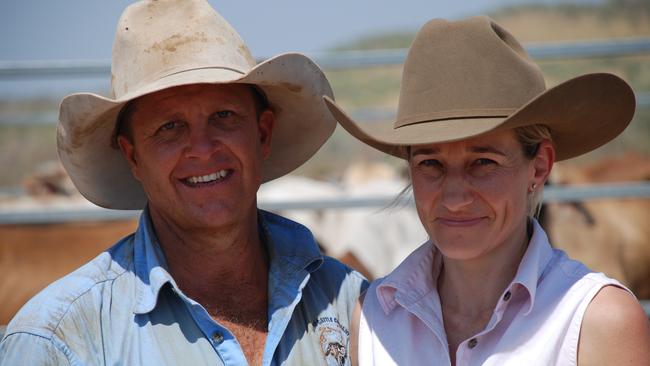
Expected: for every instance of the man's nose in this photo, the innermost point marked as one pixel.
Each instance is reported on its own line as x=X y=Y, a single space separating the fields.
x=202 y=143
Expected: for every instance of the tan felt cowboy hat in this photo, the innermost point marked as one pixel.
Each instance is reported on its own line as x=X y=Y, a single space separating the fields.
x=166 y=43
x=465 y=78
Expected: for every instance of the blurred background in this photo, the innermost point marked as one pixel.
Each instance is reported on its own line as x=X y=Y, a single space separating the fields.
x=598 y=206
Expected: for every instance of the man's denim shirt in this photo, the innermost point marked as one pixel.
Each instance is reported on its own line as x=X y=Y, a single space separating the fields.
x=124 y=308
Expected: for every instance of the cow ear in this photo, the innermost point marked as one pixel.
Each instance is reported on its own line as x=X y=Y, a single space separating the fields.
x=542 y=163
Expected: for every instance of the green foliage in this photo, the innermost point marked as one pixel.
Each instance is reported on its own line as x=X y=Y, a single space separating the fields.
x=379 y=42
x=368 y=87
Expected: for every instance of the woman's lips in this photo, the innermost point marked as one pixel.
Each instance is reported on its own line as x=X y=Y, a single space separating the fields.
x=460 y=222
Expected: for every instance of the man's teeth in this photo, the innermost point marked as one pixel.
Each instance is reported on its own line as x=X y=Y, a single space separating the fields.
x=208 y=178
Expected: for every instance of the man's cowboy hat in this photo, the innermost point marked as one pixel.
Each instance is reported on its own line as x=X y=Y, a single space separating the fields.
x=167 y=43
x=465 y=78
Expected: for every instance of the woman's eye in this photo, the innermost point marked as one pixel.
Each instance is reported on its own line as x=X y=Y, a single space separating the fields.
x=224 y=114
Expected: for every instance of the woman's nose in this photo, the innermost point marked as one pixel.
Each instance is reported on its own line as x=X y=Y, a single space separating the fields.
x=456 y=192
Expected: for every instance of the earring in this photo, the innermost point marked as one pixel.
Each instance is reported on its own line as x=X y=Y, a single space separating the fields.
x=532 y=188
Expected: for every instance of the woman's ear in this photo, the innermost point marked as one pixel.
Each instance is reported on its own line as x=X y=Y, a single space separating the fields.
x=542 y=163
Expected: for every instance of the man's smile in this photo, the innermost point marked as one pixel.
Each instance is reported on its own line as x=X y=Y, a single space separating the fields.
x=199 y=180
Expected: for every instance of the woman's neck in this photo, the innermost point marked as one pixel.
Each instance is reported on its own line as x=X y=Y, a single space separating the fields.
x=472 y=287
x=469 y=290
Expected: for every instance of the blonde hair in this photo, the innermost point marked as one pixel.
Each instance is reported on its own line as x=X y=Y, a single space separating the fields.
x=530 y=137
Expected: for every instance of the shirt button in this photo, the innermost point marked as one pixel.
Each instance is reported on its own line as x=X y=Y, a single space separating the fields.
x=506 y=296
x=217 y=337
x=472 y=343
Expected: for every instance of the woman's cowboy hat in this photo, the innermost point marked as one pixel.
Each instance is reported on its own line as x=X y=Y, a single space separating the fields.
x=167 y=43
x=465 y=78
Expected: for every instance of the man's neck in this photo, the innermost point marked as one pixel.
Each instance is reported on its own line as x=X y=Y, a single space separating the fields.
x=226 y=271
x=210 y=265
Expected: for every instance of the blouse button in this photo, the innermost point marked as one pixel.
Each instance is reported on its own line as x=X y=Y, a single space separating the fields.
x=472 y=343
x=506 y=296
x=217 y=337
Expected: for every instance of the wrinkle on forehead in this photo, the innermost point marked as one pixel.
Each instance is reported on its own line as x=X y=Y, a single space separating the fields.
x=495 y=143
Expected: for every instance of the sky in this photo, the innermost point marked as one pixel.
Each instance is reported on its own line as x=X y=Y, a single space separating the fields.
x=84 y=29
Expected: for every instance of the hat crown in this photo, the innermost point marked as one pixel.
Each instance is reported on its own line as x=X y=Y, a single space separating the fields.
x=159 y=38
x=466 y=69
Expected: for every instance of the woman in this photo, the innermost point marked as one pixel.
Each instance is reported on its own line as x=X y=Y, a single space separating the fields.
x=480 y=133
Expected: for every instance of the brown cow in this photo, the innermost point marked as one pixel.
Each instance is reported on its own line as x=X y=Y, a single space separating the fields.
x=33 y=255
x=608 y=235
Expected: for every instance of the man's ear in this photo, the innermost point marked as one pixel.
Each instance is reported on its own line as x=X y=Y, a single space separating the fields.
x=542 y=163
x=265 y=125
x=128 y=151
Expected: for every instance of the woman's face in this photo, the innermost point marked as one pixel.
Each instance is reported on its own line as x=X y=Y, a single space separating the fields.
x=472 y=195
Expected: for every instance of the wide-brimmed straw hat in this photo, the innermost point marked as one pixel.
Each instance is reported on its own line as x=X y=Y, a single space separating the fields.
x=465 y=78
x=167 y=43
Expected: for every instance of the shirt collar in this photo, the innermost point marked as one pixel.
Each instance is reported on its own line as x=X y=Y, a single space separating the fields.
x=293 y=256
x=417 y=275
x=150 y=266
x=413 y=279
x=533 y=265
x=290 y=245
x=291 y=248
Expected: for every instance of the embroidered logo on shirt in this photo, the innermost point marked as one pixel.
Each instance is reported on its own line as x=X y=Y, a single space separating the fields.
x=333 y=337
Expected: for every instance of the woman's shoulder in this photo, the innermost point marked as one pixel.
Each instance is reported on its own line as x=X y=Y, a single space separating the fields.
x=615 y=330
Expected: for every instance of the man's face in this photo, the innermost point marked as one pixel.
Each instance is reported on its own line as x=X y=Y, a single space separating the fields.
x=198 y=151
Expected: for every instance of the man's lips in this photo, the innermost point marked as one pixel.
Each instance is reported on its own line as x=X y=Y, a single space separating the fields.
x=206 y=179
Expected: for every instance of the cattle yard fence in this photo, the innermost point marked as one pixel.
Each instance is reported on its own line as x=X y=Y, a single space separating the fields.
x=65 y=69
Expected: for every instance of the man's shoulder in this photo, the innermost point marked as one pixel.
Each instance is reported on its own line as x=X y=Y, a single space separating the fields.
x=72 y=294
x=336 y=277
x=332 y=267
x=297 y=241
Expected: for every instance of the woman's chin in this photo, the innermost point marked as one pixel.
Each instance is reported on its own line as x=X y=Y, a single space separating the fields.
x=461 y=248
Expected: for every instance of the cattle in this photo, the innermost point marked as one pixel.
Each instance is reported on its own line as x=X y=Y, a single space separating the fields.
x=34 y=255
x=608 y=235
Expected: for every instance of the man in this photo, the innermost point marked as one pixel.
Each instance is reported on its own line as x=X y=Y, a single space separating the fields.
x=193 y=129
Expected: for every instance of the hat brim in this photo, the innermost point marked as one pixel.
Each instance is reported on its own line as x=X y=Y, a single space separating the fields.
x=582 y=113
x=294 y=86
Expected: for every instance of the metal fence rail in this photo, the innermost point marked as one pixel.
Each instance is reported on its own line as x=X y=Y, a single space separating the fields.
x=538 y=51
x=340 y=59
x=61 y=214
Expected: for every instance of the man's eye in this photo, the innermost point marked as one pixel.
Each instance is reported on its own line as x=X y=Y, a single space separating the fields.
x=484 y=161
x=431 y=163
x=169 y=125
x=224 y=114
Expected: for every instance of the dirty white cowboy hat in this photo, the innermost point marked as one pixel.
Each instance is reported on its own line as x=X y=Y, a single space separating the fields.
x=469 y=77
x=166 y=43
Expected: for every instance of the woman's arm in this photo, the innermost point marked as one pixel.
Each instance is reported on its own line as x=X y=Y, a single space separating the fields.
x=354 y=331
x=615 y=330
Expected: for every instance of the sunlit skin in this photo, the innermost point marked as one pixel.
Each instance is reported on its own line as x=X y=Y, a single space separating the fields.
x=198 y=152
x=193 y=131
x=472 y=195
